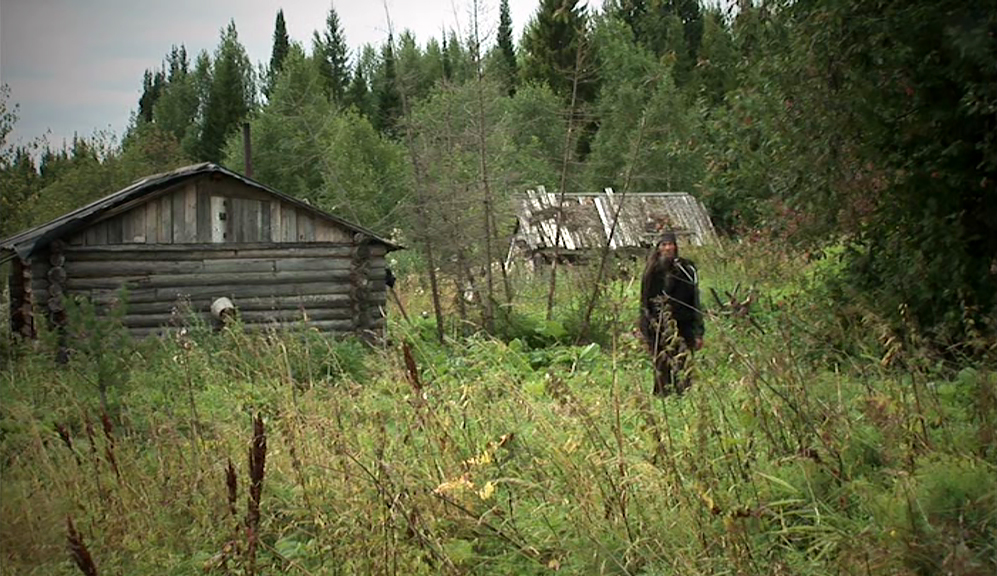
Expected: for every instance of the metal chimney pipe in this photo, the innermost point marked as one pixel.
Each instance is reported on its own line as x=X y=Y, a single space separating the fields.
x=247 y=150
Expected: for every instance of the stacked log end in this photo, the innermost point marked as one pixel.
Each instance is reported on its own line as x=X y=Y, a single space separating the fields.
x=359 y=282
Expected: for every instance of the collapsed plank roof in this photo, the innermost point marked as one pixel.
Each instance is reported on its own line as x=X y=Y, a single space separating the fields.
x=588 y=221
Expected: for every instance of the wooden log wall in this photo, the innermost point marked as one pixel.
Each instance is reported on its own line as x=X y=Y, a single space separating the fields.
x=268 y=283
x=21 y=299
x=55 y=290
x=359 y=290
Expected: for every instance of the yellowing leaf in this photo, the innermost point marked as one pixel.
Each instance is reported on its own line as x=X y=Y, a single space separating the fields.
x=487 y=491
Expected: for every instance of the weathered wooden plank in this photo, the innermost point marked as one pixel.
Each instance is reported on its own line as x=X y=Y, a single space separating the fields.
x=237 y=292
x=96 y=235
x=237 y=215
x=115 y=229
x=247 y=221
x=146 y=302
x=312 y=264
x=332 y=327
x=162 y=252
x=110 y=268
x=205 y=251
x=289 y=224
x=153 y=197
x=133 y=225
x=253 y=220
x=233 y=223
x=206 y=279
x=301 y=251
x=323 y=232
x=276 y=229
x=327 y=231
x=294 y=302
x=240 y=265
x=190 y=213
x=134 y=281
x=306 y=227
x=204 y=216
x=177 y=209
x=265 y=223
x=152 y=222
x=224 y=186
x=294 y=315
x=164 y=228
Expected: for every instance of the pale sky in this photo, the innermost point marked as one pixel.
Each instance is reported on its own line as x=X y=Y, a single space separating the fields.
x=75 y=66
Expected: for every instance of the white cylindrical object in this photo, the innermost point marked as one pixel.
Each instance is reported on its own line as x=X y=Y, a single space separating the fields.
x=222 y=307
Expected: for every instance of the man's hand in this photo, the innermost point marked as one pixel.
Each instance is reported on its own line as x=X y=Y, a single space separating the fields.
x=699 y=343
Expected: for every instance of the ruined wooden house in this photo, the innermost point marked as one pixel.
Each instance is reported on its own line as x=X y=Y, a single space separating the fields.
x=628 y=223
x=198 y=238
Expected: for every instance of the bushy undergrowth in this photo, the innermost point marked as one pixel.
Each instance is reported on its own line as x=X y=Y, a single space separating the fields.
x=522 y=455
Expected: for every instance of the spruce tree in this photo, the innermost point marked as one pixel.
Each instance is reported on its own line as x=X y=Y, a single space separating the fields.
x=358 y=94
x=557 y=51
x=389 y=100
x=176 y=110
x=152 y=88
x=281 y=44
x=177 y=64
x=673 y=28
x=507 y=52
x=717 y=59
x=332 y=57
x=230 y=96
x=447 y=61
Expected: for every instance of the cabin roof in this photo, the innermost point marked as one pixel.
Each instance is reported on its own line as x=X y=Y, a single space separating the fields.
x=25 y=243
x=588 y=219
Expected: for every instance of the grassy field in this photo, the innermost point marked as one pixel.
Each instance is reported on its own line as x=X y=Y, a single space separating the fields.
x=806 y=446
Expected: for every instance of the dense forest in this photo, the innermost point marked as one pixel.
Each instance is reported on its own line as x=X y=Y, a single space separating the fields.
x=828 y=123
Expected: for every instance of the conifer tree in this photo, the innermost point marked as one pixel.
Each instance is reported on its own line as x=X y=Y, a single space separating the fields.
x=461 y=69
x=432 y=67
x=447 y=61
x=673 y=28
x=281 y=45
x=556 y=50
x=152 y=89
x=332 y=57
x=176 y=110
x=358 y=95
x=388 y=99
x=230 y=97
x=717 y=59
x=506 y=50
x=177 y=64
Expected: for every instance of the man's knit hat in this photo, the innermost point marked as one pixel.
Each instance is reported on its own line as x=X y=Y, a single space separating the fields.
x=668 y=237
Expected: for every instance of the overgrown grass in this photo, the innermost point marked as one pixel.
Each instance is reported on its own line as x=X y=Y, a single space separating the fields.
x=521 y=455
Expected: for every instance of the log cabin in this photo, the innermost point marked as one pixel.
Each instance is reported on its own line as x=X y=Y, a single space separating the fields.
x=200 y=238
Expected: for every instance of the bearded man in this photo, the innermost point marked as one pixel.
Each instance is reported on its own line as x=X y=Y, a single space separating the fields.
x=671 y=320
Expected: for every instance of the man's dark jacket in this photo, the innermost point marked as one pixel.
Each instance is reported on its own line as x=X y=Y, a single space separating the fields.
x=675 y=285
